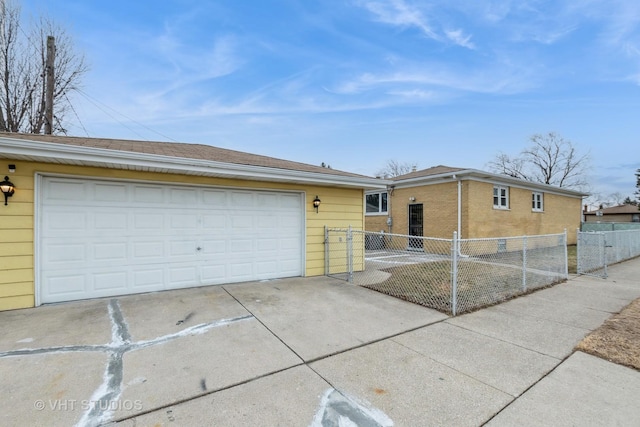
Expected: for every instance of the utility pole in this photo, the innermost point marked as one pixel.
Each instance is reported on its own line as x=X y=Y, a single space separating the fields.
x=49 y=85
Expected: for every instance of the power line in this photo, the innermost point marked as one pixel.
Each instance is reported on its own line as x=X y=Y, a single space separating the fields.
x=77 y=116
x=98 y=104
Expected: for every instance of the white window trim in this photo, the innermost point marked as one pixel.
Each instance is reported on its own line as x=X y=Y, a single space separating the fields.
x=380 y=211
x=499 y=206
x=533 y=197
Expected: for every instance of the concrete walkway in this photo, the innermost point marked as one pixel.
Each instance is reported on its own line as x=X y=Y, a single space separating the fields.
x=317 y=352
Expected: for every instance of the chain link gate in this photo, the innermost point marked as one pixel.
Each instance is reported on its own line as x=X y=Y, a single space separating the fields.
x=598 y=249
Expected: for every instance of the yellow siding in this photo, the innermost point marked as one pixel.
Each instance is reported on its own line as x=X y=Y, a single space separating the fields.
x=340 y=207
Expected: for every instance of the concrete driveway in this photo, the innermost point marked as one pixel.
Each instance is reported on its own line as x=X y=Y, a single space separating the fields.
x=99 y=361
x=320 y=353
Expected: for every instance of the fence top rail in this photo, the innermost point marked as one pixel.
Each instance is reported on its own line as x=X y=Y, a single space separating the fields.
x=610 y=232
x=403 y=235
x=512 y=237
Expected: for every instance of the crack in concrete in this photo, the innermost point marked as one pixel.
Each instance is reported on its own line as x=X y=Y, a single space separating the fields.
x=109 y=391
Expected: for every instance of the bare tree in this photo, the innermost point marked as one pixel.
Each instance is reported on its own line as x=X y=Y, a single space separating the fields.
x=395 y=168
x=550 y=159
x=23 y=72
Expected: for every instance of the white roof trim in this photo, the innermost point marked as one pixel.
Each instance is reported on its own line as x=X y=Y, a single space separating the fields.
x=477 y=175
x=91 y=156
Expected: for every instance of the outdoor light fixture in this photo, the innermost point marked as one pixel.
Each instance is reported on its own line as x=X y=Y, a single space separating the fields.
x=12 y=168
x=7 y=189
x=316 y=203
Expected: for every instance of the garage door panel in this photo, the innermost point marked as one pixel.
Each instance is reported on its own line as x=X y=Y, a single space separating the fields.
x=242 y=199
x=184 y=248
x=290 y=201
x=214 y=247
x=107 y=192
x=241 y=222
x=151 y=279
x=241 y=271
x=65 y=191
x=214 y=198
x=110 y=251
x=214 y=222
x=148 y=194
x=63 y=254
x=241 y=246
x=124 y=237
x=269 y=268
x=180 y=276
x=143 y=251
x=183 y=196
x=110 y=281
x=184 y=221
x=110 y=221
x=65 y=286
x=214 y=273
x=149 y=221
x=64 y=222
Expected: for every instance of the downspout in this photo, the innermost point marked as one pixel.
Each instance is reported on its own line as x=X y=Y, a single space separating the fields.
x=459 y=226
x=390 y=189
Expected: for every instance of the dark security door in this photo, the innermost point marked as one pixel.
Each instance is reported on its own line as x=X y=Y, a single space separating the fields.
x=415 y=226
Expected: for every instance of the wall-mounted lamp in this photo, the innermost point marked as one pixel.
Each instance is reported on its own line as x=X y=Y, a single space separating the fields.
x=316 y=203
x=412 y=199
x=7 y=189
x=12 y=168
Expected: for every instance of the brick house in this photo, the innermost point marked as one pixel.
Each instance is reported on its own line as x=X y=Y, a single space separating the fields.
x=437 y=201
x=621 y=213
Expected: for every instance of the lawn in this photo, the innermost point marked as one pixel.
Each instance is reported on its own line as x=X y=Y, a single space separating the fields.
x=618 y=339
x=479 y=284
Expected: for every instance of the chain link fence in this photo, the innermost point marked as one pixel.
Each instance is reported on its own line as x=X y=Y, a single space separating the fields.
x=597 y=250
x=450 y=275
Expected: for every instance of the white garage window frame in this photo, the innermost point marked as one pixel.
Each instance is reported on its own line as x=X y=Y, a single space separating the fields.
x=39 y=178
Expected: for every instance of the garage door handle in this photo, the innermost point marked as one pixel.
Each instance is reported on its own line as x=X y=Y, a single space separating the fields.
x=198 y=248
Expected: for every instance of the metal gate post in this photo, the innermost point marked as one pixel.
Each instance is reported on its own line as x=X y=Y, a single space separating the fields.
x=326 y=250
x=579 y=243
x=566 y=256
x=454 y=273
x=604 y=254
x=350 y=254
x=524 y=264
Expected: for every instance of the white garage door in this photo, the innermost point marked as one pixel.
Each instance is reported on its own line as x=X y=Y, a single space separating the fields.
x=104 y=238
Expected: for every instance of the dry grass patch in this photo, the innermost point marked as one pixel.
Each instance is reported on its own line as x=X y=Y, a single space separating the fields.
x=479 y=284
x=618 y=339
x=572 y=259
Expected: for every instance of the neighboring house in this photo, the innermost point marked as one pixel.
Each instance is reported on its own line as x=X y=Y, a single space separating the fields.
x=621 y=213
x=97 y=217
x=437 y=201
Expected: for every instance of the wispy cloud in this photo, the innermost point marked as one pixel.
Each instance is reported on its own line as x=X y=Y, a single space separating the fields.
x=500 y=80
x=402 y=14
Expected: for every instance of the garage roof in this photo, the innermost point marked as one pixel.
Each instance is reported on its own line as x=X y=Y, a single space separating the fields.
x=169 y=157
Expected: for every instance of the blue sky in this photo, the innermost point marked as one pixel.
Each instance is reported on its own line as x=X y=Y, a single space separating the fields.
x=355 y=83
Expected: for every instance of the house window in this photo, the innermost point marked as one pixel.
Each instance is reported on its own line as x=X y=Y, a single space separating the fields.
x=537 y=202
x=376 y=203
x=500 y=197
x=635 y=218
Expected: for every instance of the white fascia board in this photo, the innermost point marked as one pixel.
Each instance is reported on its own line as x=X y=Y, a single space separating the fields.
x=61 y=153
x=481 y=176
